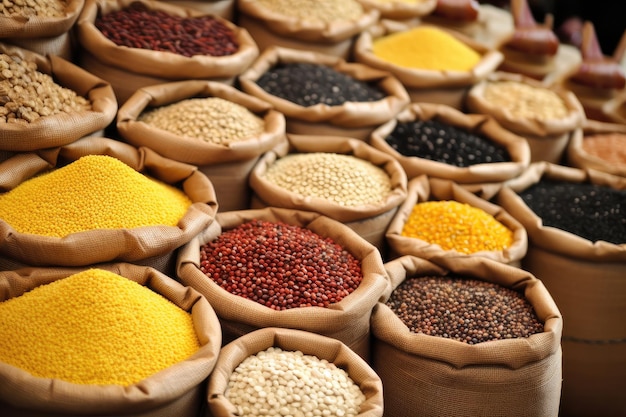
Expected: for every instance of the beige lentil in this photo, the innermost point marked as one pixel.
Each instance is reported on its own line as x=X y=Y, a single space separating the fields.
x=27 y=94
x=94 y=327
x=342 y=179
x=324 y=11
x=30 y=8
x=525 y=101
x=290 y=383
x=610 y=147
x=210 y=119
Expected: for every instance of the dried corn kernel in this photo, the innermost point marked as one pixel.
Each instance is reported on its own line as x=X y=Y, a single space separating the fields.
x=94 y=327
x=94 y=192
x=457 y=226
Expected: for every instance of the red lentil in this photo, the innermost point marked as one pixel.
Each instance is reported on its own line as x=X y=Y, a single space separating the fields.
x=464 y=309
x=160 y=31
x=610 y=147
x=280 y=266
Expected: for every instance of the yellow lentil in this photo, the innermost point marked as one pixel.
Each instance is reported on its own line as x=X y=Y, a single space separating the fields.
x=93 y=192
x=457 y=226
x=94 y=327
x=426 y=48
x=525 y=101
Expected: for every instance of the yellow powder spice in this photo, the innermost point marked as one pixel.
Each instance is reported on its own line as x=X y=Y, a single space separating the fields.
x=94 y=327
x=426 y=47
x=457 y=226
x=93 y=192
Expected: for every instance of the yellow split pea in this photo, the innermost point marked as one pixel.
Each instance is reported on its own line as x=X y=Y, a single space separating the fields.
x=94 y=327
x=457 y=226
x=93 y=192
x=427 y=48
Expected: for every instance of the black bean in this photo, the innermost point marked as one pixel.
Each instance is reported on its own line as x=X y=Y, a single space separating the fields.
x=464 y=309
x=448 y=144
x=591 y=211
x=308 y=84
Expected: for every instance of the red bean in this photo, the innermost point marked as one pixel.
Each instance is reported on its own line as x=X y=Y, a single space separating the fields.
x=280 y=266
x=137 y=26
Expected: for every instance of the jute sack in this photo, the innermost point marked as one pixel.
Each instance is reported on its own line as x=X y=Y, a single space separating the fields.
x=45 y=35
x=128 y=69
x=347 y=320
x=586 y=280
x=350 y=119
x=547 y=139
x=152 y=246
x=479 y=124
x=175 y=391
x=324 y=348
x=578 y=157
x=269 y=28
x=400 y=10
x=222 y=8
x=370 y=221
x=423 y=85
x=427 y=375
x=615 y=109
x=63 y=128
x=422 y=189
x=227 y=166
x=490 y=25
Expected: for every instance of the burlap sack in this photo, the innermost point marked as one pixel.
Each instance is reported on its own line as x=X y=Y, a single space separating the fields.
x=578 y=157
x=479 y=124
x=547 y=139
x=422 y=189
x=222 y=8
x=615 y=109
x=399 y=10
x=63 y=128
x=291 y=340
x=175 y=391
x=348 y=320
x=491 y=27
x=443 y=87
x=435 y=376
x=586 y=280
x=269 y=28
x=43 y=34
x=151 y=246
x=351 y=119
x=228 y=167
x=369 y=221
x=128 y=69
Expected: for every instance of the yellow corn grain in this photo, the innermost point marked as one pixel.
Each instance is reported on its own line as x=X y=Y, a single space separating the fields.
x=457 y=226
x=94 y=327
x=93 y=192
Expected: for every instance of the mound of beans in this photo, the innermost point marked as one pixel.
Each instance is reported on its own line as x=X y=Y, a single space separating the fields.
x=160 y=31
x=93 y=192
x=289 y=383
x=27 y=94
x=309 y=84
x=464 y=309
x=94 y=327
x=280 y=266
x=322 y=11
x=210 y=119
x=30 y=8
x=525 y=101
x=591 y=211
x=445 y=143
x=457 y=226
x=341 y=179
x=610 y=147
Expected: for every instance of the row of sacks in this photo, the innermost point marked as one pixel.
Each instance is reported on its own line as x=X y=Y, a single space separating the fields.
x=397 y=371
x=557 y=257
